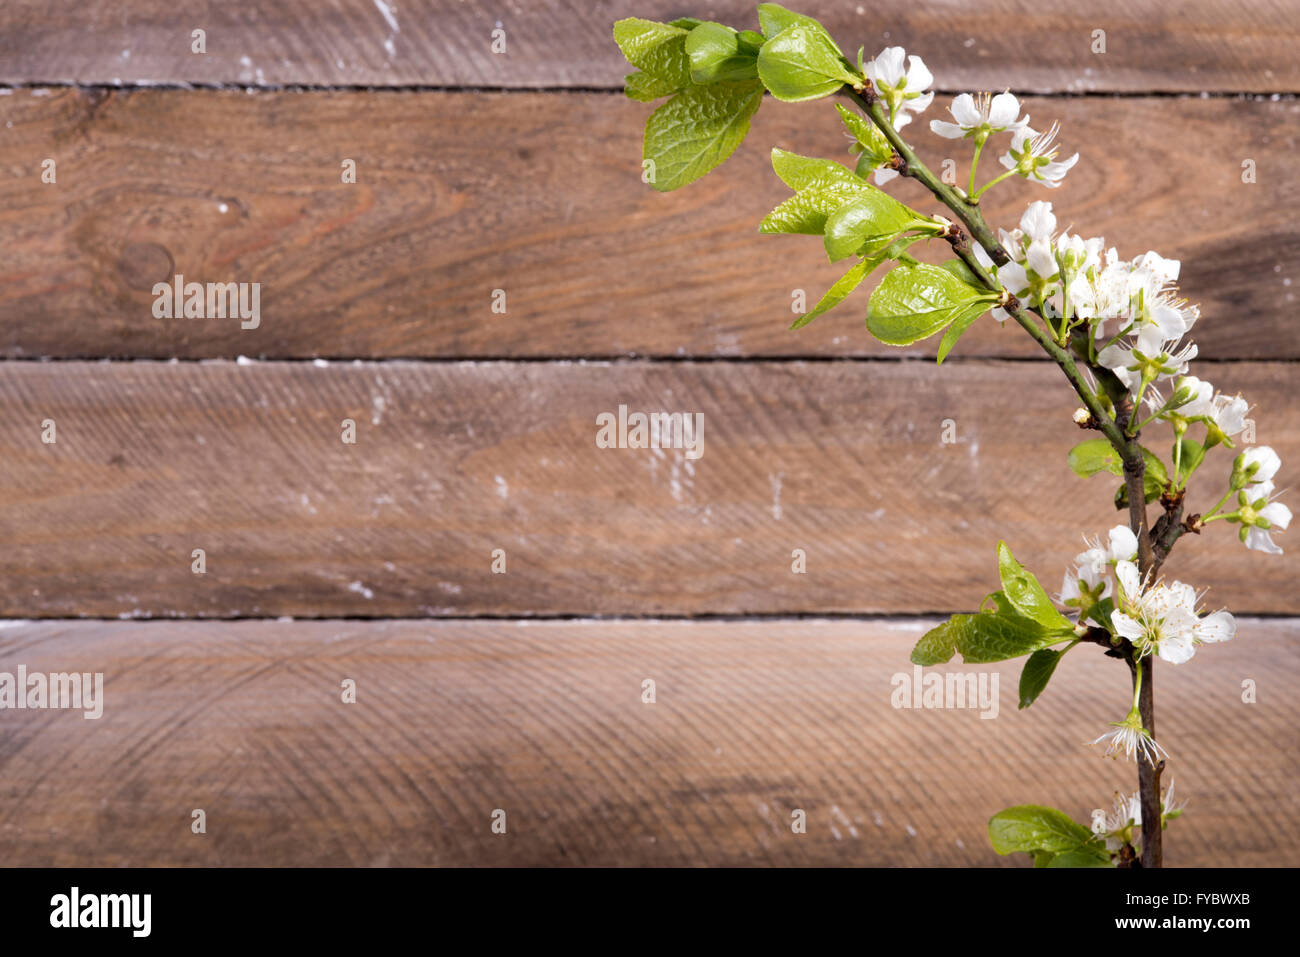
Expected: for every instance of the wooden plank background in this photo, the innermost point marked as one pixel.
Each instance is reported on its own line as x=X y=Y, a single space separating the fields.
x=454 y=460
x=446 y=209
x=1044 y=45
x=519 y=171
x=544 y=720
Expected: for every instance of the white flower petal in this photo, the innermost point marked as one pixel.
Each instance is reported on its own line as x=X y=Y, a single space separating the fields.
x=1123 y=544
x=1038 y=221
x=1127 y=627
x=1219 y=626
x=919 y=76
x=1267 y=460
x=1040 y=259
x=964 y=111
x=1259 y=540
x=886 y=68
x=919 y=104
x=1276 y=514
x=1003 y=111
x=947 y=130
x=1129 y=580
x=1176 y=649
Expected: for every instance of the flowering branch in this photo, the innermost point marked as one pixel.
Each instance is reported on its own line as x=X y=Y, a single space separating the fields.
x=1115 y=329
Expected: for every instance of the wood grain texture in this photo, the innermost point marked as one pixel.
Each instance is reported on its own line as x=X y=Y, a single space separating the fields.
x=453 y=720
x=454 y=460
x=540 y=195
x=1043 y=45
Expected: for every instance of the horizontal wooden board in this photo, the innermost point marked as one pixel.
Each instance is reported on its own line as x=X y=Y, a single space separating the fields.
x=455 y=460
x=545 y=721
x=1045 y=45
x=540 y=196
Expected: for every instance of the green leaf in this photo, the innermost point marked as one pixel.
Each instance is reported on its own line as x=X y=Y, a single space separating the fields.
x=717 y=54
x=871 y=142
x=1036 y=674
x=658 y=49
x=1026 y=595
x=854 y=277
x=697 y=130
x=1031 y=827
x=837 y=293
x=686 y=23
x=801 y=63
x=1098 y=455
x=867 y=224
x=1043 y=858
x=773 y=18
x=1193 y=455
x=913 y=302
x=939 y=643
x=961 y=271
x=1090 y=855
x=1093 y=456
x=812 y=172
x=959 y=325
x=984 y=637
x=646 y=88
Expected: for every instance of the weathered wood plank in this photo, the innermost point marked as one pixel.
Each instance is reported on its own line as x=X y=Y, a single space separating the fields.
x=455 y=460
x=1047 y=45
x=545 y=721
x=540 y=195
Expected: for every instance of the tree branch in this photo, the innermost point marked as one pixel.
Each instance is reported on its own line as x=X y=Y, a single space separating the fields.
x=1115 y=429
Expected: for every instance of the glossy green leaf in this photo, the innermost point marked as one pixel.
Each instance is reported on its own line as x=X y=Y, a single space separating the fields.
x=1089 y=855
x=646 y=87
x=868 y=140
x=717 y=54
x=959 y=325
x=939 y=644
x=854 y=277
x=697 y=130
x=983 y=638
x=1093 y=456
x=813 y=172
x=961 y=271
x=1192 y=455
x=1026 y=595
x=1036 y=673
x=866 y=224
x=914 y=302
x=801 y=63
x=657 y=49
x=837 y=293
x=1098 y=455
x=773 y=18
x=1031 y=827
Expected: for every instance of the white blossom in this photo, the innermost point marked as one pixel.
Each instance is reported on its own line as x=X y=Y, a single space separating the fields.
x=1260 y=463
x=1163 y=619
x=1132 y=741
x=1033 y=156
x=979 y=115
x=1259 y=514
x=1149 y=355
x=903 y=90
